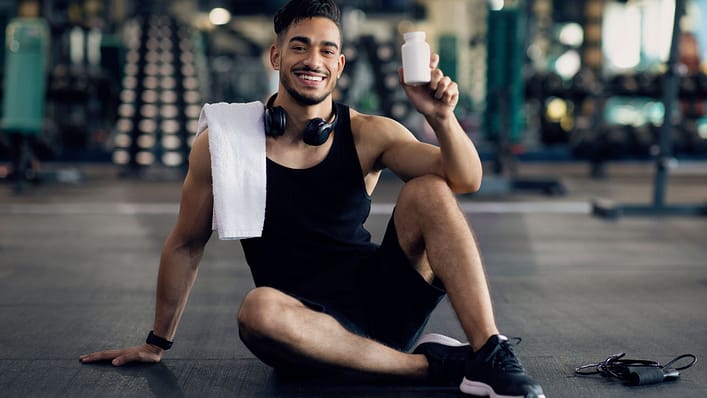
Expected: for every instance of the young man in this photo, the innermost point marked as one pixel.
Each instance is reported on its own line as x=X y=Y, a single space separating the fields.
x=326 y=297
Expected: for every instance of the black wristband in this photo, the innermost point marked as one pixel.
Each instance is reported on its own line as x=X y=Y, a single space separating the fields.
x=158 y=341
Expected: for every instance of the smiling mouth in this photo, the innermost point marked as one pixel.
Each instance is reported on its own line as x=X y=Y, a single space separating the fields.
x=311 y=78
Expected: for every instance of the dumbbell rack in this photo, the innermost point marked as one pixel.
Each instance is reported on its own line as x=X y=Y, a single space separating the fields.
x=159 y=101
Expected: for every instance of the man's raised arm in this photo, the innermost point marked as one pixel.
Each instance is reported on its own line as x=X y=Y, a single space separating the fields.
x=456 y=159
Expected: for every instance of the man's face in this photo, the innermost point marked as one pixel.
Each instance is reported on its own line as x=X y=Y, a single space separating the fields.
x=309 y=59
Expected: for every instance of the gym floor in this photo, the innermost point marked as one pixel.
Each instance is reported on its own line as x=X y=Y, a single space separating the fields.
x=78 y=265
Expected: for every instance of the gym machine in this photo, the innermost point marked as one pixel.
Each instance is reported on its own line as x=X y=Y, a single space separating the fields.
x=663 y=158
x=504 y=95
x=24 y=91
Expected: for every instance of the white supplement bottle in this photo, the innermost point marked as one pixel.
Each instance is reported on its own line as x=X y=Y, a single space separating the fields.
x=416 y=59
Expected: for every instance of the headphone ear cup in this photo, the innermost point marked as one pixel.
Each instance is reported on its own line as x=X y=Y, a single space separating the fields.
x=317 y=132
x=275 y=121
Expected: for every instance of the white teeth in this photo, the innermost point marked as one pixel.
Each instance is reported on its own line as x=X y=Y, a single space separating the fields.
x=312 y=78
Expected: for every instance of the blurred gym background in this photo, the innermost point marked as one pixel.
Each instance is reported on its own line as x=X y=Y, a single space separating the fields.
x=121 y=83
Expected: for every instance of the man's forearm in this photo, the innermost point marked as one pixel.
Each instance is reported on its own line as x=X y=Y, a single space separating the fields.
x=178 y=270
x=460 y=160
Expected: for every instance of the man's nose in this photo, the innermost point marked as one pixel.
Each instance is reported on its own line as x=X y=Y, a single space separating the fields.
x=313 y=60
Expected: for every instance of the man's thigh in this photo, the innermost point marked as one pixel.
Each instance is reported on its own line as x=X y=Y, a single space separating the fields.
x=399 y=300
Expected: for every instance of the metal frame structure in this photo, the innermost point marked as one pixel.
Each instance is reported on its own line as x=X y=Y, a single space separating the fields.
x=659 y=207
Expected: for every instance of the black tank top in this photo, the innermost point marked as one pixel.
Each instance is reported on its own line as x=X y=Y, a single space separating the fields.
x=313 y=218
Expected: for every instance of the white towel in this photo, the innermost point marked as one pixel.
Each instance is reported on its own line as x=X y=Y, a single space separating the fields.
x=237 y=147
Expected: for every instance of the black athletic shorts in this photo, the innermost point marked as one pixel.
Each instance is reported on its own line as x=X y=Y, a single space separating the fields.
x=386 y=299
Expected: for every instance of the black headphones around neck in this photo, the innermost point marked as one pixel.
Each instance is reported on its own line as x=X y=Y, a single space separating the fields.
x=316 y=132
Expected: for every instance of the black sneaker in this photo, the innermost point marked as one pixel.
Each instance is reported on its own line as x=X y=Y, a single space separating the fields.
x=495 y=371
x=446 y=357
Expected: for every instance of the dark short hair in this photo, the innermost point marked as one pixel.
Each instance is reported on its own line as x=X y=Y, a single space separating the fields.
x=297 y=10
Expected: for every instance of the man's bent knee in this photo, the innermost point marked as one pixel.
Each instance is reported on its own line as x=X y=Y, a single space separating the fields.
x=268 y=326
x=261 y=313
x=426 y=193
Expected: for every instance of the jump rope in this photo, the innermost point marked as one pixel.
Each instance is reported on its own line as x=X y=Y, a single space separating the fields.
x=637 y=372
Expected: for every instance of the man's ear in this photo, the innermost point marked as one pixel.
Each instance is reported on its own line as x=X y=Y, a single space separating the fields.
x=275 y=57
x=342 y=62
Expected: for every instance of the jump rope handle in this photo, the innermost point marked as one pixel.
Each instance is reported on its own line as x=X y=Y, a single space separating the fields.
x=642 y=375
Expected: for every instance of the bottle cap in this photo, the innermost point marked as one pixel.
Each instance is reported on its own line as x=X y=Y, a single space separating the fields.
x=414 y=35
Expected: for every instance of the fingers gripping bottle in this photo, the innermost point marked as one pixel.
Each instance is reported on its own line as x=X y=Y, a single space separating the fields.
x=416 y=59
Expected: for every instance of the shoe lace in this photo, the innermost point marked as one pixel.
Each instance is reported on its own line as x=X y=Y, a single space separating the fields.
x=505 y=358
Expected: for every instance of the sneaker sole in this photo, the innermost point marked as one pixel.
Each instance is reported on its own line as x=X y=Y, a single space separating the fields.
x=439 y=339
x=484 y=390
